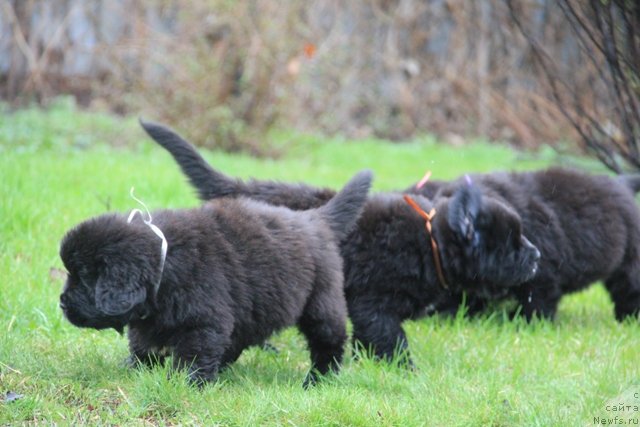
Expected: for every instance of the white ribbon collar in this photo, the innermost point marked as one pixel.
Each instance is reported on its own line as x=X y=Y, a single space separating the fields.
x=153 y=228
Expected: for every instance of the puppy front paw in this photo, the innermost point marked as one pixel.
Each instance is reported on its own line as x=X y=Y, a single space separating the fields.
x=199 y=378
x=143 y=361
x=310 y=380
x=132 y=362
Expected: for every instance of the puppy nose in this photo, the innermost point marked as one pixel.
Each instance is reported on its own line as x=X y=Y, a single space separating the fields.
x=63 y=301
x=531 y=246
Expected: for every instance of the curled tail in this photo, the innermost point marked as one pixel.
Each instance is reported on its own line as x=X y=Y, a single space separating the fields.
x=631 y=181
x=344 y=209
x=209 y=183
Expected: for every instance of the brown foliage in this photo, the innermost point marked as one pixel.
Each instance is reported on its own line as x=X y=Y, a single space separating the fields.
x=601 y=100
x=224 y=72
x=217 y=76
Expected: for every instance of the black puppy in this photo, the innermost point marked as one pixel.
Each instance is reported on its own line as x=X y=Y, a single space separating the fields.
x=586 y=227
x=389 y=262
x=236 y=271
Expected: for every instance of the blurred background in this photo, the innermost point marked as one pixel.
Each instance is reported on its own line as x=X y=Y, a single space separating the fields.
x=563 y=73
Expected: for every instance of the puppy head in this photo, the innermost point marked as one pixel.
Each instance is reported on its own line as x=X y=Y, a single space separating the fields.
x=112 y=268
x=482 y=244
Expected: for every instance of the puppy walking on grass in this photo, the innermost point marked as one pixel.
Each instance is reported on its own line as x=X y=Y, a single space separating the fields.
x=532 y=237
x=391 y=263
x=236 y=271
x=587 y=228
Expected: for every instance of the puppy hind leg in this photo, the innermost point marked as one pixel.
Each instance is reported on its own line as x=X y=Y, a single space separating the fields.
x=326 y=340
x=324 y=324
x=624 y=284
x=624 y=289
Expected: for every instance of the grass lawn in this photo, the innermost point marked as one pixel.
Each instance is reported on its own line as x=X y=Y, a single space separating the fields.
x=57 y=170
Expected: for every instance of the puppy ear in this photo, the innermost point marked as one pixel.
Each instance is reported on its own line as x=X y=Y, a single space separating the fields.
x=463 y=212
x=118 y=291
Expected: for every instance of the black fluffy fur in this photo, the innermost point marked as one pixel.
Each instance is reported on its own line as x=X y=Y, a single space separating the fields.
x=236 y=271
x=211 y=184
x=388 y=263
x=586 y=227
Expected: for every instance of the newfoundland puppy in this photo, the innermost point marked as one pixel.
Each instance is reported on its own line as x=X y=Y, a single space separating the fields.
x=586 y=227
x=390 y=263
x=232 y=272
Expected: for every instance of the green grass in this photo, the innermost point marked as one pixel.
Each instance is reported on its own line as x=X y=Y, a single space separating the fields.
x=57 y=170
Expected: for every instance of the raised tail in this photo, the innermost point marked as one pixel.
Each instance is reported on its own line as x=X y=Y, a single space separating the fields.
x=344 y=209
x=208 y=182
x=631 y=181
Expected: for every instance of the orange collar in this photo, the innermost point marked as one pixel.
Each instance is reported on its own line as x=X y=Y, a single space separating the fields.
x=434 y=245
